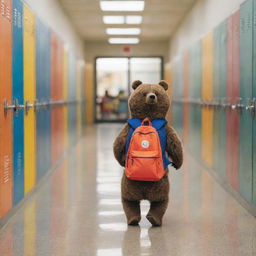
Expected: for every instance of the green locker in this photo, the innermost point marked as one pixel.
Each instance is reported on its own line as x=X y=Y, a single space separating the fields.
x=219 y=90
x=194 y=94
x=246 y=78
x=254 y=96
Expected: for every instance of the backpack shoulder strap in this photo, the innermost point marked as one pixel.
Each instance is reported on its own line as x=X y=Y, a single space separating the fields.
x=159 y=123
x=134 y=123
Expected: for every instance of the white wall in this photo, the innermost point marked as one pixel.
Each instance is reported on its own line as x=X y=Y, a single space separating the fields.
x=53 y=15
x=203 y=17
x=95 y=49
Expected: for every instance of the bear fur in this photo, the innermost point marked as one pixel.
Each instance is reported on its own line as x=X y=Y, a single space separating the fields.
x=151 y=101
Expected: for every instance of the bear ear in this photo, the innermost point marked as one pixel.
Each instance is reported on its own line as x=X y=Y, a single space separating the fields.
x=164 y=84
x=135 y=84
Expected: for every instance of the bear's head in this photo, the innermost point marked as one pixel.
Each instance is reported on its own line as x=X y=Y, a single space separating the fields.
x=149 y=100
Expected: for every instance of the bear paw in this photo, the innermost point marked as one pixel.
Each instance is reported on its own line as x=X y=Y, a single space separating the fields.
x=156 y=222
x=134 y=221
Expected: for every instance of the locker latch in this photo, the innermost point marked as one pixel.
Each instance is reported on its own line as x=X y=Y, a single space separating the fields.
x=28 y=106
x=252 y=107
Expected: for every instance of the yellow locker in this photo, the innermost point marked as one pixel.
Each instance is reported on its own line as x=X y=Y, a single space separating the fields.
x=29 y=96
x=207 y=94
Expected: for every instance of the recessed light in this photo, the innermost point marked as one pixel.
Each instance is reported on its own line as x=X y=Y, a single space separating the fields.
x=133 y=19
x=123 y=31
x=122 y=6
x=131 y=40
x=115 y=19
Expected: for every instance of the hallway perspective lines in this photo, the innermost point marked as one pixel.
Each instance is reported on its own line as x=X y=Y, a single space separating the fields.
x=78 y=211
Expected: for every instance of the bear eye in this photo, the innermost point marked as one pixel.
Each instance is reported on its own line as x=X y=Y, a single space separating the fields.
x=144 y=94
x=156 y=93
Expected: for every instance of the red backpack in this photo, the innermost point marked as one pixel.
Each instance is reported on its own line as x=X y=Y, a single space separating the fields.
x=144 y=160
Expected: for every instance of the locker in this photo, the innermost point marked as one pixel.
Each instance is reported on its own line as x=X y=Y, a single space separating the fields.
x=207 y=94
x=72 y=96
x=233 y=84
x=78 y=98
x=60 y=97
x=186 y=96
x=177 y=109
x=219 y=91
x=29 y=95
x=43 y=120
x=57 y=113
x=246 y=77
x=65 y=97
x=6 y=157
x=254 y=96
x=195 y=93
x=17 y=89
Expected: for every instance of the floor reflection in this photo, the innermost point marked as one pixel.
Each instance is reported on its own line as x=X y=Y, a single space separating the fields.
x=78 y=211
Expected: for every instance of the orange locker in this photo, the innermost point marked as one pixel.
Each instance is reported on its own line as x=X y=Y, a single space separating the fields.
x=207 y=94
x=6 y=179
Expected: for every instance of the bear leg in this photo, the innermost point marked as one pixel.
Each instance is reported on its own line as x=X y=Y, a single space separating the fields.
x=132 y=211
x=156 y=212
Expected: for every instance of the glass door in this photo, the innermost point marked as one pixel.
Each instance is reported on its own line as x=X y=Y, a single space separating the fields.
x=113 y=78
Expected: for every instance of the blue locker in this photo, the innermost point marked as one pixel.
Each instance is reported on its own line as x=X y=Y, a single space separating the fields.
x=17 y=88
x=43 y=83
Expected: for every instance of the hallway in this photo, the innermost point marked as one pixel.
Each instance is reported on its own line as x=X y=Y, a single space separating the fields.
x=78 y=211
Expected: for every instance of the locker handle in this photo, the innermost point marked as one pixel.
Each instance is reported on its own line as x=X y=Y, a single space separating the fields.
x=28 y=106
x=8 y=107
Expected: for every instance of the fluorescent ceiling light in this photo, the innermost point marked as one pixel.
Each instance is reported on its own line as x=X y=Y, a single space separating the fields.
x=113 y=19
x=120 y=6
x=123 y=31
x=118 y=19
x=131 y=40
x=133 y=19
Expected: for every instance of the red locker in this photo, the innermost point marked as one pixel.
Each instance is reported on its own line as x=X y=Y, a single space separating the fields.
x=57 y=115
x=233 y=93
x=6 y=179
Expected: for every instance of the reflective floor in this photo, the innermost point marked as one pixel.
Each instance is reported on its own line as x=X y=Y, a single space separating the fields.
x=78 y=212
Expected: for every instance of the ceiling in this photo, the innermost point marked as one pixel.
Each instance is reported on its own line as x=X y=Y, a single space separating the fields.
x=160 y=18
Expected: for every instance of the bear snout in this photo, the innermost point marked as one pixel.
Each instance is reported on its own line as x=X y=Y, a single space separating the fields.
x=151 y=98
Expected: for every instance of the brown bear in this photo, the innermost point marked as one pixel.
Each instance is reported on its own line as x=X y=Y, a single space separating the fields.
x=147 y=101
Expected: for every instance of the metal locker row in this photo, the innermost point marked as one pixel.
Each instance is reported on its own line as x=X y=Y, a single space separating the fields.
x=222 y=100
x=40 y=102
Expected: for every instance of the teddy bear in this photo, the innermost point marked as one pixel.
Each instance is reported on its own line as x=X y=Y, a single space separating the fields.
x=147 y=101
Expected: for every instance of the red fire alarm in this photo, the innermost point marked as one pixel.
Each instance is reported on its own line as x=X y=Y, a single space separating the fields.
x=126 y=49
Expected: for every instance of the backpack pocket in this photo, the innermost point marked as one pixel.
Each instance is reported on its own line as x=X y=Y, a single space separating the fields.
x=143 y=165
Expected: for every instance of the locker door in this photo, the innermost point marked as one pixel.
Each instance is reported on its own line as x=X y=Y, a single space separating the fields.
x=78 y=98
x=72 y=96
x=29 y=96
x=246 y=53
x=57 y=114
x=65 y=97
x=220 y=83
x=233 y=94
x=223 y=96
x=43 y=120
x=198 y=87
x=17 y=89
x=216 y=96
x=6 y=160
x=254 y=96
x=207 y=94
x=54 y=97
x=186 y=97
x=60 y=91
